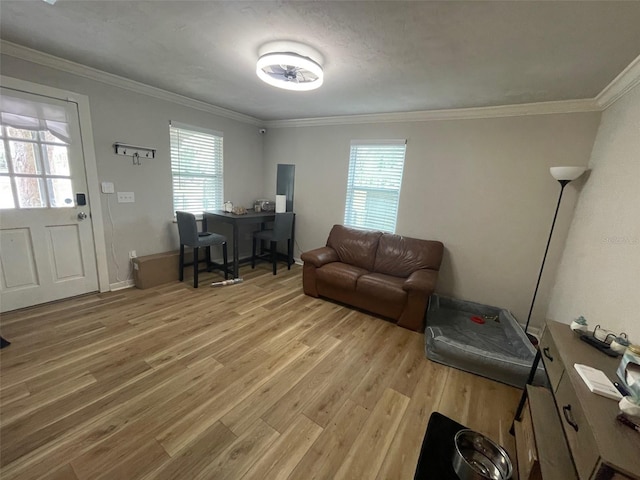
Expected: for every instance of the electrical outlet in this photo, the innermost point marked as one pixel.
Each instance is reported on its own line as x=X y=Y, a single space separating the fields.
x=126 y=197
x=133 y=254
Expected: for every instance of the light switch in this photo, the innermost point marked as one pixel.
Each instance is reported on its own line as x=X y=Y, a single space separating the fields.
x=107 y=187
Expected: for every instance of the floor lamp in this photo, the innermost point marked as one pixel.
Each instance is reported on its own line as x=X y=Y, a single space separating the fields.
x=563 y=175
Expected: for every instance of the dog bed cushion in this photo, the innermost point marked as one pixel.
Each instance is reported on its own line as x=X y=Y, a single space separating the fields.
x=497 y=349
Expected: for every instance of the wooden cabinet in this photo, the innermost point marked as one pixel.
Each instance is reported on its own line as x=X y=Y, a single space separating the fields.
x=576 y=429
x=541 y=448
x=552 y=363
x=575 y=433
x=528 y=461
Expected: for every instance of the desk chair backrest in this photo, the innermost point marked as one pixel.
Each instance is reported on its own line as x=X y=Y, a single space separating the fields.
x=187 y=229
x=282 y=226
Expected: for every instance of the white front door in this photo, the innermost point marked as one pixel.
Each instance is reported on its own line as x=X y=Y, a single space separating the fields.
x=46 y=238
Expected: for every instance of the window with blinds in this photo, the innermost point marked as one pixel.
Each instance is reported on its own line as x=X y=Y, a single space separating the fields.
x=373 y=185
x=196 y=168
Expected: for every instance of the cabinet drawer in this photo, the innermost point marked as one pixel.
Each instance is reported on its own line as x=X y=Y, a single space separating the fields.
x=551 y=358
x=528 y=462
x=579 y=436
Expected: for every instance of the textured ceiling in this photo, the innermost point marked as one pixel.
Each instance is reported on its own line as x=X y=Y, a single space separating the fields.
x=380 y=57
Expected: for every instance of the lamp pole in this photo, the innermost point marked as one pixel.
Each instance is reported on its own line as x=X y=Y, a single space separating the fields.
x=563 y=175
x=563 y=183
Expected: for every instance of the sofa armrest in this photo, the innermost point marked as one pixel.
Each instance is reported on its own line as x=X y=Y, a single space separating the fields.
x=320 y=256
x=422 y=280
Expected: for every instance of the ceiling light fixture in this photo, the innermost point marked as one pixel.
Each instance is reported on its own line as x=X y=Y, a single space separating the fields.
x=290 y=65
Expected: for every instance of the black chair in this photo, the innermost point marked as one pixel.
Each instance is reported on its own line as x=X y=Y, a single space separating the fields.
x=189 y=236
x=282 y=230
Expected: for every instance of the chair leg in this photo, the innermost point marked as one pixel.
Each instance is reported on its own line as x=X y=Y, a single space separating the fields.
x=253 y=253
x=274 y=256
x=289 y=254
x=224 y=260
x=209 y=264
x=195 y=267
x=181 y=267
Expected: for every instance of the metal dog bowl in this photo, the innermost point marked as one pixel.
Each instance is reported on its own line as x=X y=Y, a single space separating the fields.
x=478 y=458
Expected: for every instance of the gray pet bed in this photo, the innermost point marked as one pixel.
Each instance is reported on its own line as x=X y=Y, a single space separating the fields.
x=499 y=350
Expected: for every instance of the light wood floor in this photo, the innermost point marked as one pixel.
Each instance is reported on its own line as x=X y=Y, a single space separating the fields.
x=250 y=381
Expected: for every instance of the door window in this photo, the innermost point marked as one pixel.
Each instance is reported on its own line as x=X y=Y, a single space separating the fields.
x=34 y=154
x=34 y=169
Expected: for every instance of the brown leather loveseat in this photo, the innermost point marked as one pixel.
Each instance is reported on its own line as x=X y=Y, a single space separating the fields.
x=386 y=274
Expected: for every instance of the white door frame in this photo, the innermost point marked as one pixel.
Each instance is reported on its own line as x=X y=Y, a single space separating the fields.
x=91 y=168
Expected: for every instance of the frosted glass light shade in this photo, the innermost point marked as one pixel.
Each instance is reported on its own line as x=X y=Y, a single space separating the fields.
x=566 y=173
x=280 y=70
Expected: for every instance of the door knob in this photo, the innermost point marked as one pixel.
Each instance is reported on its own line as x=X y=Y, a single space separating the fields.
x=82 y=215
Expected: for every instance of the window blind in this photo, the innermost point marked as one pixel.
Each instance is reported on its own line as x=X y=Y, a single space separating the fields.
x=373 y=184
x=196 y=168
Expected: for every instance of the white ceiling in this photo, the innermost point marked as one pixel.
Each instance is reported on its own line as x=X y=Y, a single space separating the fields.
x=380 y=57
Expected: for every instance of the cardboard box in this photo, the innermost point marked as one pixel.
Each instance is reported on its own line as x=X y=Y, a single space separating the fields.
x=157 y=269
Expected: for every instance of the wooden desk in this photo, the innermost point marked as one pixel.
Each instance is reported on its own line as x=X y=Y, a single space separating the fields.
x=573 y=433
x=250 y=218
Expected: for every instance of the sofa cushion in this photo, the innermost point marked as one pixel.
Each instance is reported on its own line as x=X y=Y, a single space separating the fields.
x=340 y=275
x=381 y=287
x=354 y=247
x=400 y=256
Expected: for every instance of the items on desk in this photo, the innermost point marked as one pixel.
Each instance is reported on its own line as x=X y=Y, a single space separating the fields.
x=597 y=381
x=228 y=206
x=623 y=391
x=603 y=334
x=579 y=325
x=600 y=345
x=630 y=408
x=629 y=371
x=605 y=340
x=239 y=210
x=266 y=205
x=620 y=343
x=626 y=421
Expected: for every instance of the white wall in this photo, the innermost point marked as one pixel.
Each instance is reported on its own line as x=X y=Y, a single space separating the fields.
x=599 y=274
x=480 y=186
x=120 y=115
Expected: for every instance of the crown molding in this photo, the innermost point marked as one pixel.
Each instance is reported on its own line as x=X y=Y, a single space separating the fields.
x=543 y=108
x=44 y=59
x=619 y=86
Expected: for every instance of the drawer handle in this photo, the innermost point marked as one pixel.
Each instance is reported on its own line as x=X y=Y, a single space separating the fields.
x=566 y=410
x=545 y=350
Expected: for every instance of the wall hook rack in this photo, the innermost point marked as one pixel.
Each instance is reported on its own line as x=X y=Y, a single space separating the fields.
x=134 y=151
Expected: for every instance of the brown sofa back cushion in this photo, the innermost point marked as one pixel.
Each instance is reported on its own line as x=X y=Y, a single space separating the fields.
x=355 y=247
x=401 y=256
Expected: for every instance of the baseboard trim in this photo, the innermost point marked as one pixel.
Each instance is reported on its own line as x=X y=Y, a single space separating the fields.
x=535 y=331
x=122 y=285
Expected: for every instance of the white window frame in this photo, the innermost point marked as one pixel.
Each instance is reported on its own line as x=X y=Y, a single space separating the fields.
x=210 y=177
x=373 y=192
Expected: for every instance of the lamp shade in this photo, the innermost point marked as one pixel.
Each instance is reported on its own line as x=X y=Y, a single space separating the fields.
x=566 y=173
x=289 y=71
